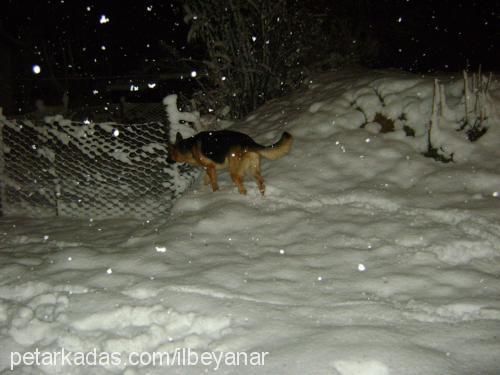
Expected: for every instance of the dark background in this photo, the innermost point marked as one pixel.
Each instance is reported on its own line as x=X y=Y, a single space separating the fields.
x=66 y=39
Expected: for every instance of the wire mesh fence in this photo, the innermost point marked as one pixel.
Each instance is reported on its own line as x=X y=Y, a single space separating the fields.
x=61 y=167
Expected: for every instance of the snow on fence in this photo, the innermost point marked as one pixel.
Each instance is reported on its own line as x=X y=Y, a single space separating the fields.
x=58 y=167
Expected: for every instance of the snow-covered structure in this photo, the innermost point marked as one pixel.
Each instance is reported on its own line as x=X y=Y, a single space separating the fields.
x=86 y=169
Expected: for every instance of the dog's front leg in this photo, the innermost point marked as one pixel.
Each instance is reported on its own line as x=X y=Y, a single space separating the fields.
x=207 y=165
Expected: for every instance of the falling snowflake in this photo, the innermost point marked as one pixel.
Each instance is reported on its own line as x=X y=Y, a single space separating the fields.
x=103 y=19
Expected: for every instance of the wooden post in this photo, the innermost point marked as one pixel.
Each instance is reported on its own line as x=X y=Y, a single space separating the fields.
x=2 y=167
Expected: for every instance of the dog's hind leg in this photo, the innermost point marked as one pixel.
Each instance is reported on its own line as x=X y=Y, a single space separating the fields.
x=206 y=179
x=238 y=181
x=237 y=171
x=255 y=169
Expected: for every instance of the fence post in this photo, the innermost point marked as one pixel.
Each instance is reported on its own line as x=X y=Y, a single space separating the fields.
x=2 y=167
x=57 y=195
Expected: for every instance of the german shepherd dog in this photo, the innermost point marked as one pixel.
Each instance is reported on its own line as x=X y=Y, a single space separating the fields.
x=220 y=149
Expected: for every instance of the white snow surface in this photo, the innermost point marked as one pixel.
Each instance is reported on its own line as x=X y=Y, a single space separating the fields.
x=364 y=257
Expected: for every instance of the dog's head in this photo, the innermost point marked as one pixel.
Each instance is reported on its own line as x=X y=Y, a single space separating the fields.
x=181 y=151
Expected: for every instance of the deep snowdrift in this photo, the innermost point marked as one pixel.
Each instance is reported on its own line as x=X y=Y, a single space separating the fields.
x=364 y=257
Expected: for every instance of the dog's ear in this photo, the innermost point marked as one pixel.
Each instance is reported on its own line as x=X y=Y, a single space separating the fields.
x=178 y=138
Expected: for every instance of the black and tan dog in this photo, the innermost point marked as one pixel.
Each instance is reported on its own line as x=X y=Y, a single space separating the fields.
x=236 y=151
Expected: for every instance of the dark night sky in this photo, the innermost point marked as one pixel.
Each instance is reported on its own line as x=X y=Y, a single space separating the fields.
x=441 y=35
x=416 y=35
x=130 y=37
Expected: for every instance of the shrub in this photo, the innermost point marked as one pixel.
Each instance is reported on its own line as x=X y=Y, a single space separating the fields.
x=255 y=50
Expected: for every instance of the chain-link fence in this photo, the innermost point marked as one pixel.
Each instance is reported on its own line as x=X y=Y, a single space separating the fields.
x=90 y=169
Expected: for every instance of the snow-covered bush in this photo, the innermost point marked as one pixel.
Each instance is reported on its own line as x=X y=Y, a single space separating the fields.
x=444 y=118
x=443 y=136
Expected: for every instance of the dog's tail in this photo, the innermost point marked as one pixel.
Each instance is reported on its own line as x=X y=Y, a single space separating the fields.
x=278 y=149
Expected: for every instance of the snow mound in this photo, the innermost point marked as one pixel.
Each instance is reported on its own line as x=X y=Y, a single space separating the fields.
x=364 y=257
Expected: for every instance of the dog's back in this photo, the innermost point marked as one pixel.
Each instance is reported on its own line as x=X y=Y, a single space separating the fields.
x=218 y=145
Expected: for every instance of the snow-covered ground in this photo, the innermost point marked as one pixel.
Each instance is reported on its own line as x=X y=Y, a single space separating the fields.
x=364 y=257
